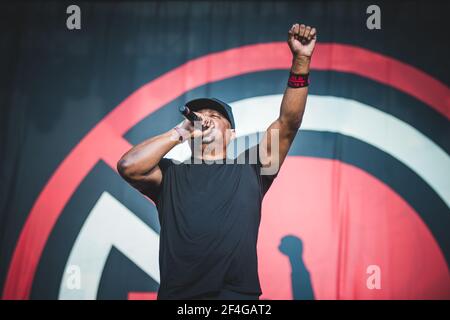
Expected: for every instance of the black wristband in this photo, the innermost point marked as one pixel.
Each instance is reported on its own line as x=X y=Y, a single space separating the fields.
x=298 y=80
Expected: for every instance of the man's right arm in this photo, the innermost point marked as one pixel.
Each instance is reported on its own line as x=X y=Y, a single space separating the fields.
x=139 y=166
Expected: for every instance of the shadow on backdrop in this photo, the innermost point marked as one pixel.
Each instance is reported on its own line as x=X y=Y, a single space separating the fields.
x=292 y=247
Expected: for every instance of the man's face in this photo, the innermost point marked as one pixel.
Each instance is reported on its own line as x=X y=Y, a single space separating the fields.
x=219 y=132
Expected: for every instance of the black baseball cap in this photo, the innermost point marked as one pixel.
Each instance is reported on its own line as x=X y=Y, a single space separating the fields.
x=215 y=104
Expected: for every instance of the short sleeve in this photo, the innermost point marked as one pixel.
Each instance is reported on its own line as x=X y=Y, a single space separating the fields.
x=164 y=164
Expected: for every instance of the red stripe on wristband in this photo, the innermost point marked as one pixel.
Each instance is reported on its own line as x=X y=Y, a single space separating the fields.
x=298 y=80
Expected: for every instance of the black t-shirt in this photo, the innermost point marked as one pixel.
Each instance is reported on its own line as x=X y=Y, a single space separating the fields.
x=209 y=216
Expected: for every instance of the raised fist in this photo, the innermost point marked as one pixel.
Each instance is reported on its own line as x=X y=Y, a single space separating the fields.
x=302 y=39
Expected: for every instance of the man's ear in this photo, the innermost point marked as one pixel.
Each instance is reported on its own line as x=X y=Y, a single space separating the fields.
x=233 y=134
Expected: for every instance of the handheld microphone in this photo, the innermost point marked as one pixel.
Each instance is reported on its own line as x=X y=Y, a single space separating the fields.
x=188 y=114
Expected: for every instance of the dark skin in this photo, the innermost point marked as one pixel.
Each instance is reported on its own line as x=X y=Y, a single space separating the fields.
x=139 y=165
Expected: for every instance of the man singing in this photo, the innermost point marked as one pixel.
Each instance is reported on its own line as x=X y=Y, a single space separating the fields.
x=209 y=207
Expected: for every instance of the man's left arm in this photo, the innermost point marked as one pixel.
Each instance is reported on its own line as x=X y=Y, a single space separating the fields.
x=301 y=41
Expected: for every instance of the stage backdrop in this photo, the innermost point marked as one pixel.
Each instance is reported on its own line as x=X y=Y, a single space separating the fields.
x=360 y=209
